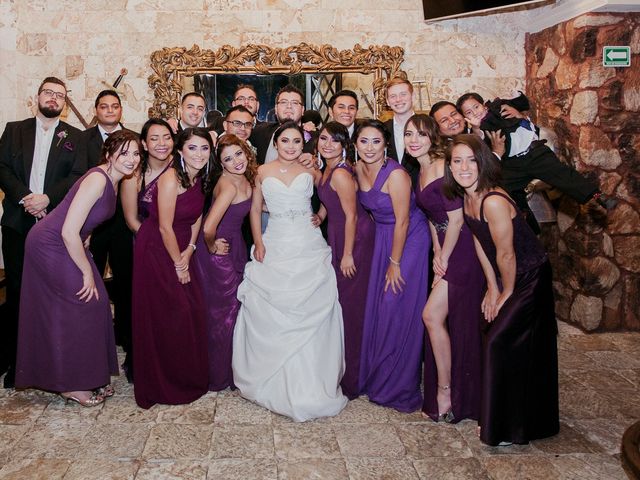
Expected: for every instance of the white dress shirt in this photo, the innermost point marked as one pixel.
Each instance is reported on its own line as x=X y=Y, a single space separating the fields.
x=398 y=137
x=105 y=134
x=44 y=140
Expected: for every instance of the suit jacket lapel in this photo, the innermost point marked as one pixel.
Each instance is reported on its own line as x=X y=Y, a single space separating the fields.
x=28 y=147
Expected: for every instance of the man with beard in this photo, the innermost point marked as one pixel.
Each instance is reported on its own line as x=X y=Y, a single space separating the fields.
x=289 y=107
x=40 y=159
x=112 y=239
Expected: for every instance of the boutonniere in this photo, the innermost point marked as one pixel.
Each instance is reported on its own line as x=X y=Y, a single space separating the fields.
x=68 y=146
x=61 y=136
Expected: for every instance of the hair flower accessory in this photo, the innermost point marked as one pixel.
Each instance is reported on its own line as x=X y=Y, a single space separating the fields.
x=61 y=136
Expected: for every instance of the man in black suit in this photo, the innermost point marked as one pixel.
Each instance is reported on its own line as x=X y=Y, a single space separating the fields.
x=193 y=106
x=40 y=159
x=112 y=239
x=343 y=108
x=289 y=107
x=238 y=121
x=399 y=93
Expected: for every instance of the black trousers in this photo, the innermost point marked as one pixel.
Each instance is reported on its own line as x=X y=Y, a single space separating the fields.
x=112 y=241
x=13 y=252
x=540 y=162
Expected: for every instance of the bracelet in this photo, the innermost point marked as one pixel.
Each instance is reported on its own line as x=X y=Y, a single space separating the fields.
x=192 y=245
x=397 y=264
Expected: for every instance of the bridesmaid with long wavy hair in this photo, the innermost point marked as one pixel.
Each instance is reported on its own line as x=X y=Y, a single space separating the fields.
x=169 y=330
x=452 y=313
x=350 y=234
x=221 y=253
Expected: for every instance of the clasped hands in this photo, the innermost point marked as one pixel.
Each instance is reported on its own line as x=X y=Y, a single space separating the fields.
x=36 y=204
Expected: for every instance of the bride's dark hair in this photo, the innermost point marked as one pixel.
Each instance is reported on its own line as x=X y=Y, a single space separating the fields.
x=286 y=126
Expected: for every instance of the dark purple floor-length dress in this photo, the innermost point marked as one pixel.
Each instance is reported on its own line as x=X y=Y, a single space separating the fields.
x=393 y=330
x=352 y=292
x=169 y=331
x=65 y=344
x=220 y=276
x=465 y=288
x=520 y=357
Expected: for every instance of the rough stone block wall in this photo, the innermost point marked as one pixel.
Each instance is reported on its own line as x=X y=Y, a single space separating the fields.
x=594 y=111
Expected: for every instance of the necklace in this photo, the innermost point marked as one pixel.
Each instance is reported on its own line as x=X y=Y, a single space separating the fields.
x=283 y=170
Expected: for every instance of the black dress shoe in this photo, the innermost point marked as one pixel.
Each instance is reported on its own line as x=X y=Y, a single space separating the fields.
x=605 y=201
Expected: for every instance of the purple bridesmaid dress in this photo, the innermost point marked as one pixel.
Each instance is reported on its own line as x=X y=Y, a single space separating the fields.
x=169 y=330
x=520 y=356
x=65 y=344
x=393 y=330
x=465 y=287
x=352 y=292
x=220 y=276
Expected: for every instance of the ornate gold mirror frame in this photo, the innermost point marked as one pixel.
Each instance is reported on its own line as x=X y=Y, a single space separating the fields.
x=170 y=65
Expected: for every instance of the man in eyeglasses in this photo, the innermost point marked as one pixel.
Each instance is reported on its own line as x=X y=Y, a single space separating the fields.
x=289 y=107
x=247 y=96
x=239 y=121
x=40 y=159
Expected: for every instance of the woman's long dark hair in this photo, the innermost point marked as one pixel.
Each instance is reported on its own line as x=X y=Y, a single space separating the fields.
x=181 y=172
x=144 y=160
x=425 y=125
x=373 y=123
x=339 y=133
x=489 y=171
x=286 y=126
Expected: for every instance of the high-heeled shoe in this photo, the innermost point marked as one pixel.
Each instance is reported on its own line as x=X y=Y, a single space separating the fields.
x=92 y=401
x=105 y=392
x=448 y=416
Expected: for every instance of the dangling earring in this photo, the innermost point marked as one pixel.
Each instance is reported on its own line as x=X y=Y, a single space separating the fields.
x=344 y=155
x=206 y=172
x=355 y=156
x=319 y=159
x=385 y=153
x=182 y=162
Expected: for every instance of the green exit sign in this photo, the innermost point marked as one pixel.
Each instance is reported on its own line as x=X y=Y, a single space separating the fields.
x=616 y=56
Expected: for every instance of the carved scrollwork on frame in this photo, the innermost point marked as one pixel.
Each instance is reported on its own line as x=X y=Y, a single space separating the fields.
x=170 y=65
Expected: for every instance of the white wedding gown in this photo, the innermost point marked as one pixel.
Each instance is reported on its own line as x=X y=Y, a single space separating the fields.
x=288 y=343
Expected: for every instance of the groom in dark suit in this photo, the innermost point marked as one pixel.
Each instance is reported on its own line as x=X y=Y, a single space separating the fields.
x=289 y=107
x=112 y=239
x=40 y=159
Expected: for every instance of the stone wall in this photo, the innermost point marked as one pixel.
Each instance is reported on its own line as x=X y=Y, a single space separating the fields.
x=87 y=42
x=594 y=112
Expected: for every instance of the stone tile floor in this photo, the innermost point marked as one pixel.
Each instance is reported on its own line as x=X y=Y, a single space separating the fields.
x=222 y=436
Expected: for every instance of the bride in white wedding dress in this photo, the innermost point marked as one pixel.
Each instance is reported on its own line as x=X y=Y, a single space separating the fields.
x=288 y=346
